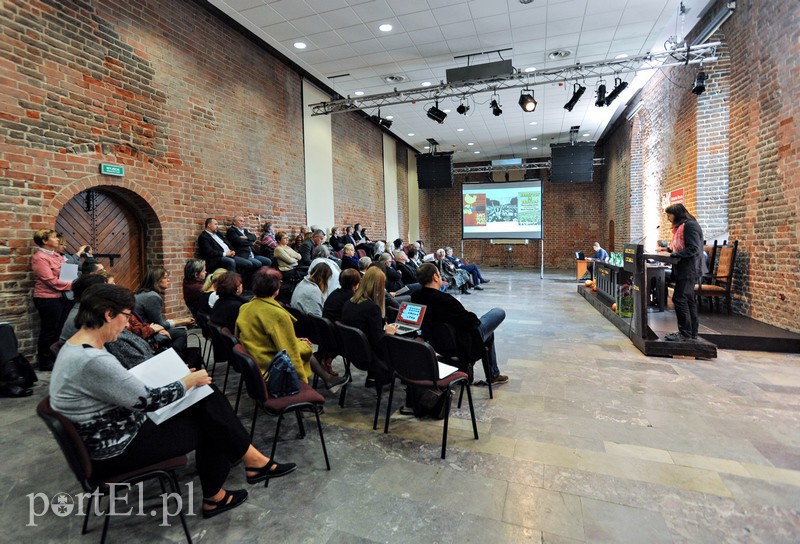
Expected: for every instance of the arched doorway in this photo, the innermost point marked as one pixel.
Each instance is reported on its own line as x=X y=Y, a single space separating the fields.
x=105 y=221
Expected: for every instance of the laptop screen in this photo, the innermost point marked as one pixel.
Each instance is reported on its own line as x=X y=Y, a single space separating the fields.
x=579 y=255
x=410 y=313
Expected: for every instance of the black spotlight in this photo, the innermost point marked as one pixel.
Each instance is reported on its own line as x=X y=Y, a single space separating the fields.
x=577 y=93
x=496 y=108
x=436 y=114
x=699 y=83
x=619 y=86
x=387 y=123
x=601 y=96
x=526 y=101
x=462 y=109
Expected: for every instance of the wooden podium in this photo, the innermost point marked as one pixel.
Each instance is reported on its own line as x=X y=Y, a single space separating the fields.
x=636 y=327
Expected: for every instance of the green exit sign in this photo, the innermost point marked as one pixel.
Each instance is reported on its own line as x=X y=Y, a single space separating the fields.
x=112 y=170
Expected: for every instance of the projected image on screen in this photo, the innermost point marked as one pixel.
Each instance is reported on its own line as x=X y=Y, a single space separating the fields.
x=502 y=210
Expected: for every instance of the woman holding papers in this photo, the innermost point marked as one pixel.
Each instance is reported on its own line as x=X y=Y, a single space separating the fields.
x=48 y=293
x=108 y=405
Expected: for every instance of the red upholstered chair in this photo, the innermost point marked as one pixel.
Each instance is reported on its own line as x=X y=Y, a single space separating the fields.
x=415 y=364
x=77 y=456
x=307 y=400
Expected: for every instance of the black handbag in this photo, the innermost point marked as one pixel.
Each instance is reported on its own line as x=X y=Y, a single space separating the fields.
x=16 y=373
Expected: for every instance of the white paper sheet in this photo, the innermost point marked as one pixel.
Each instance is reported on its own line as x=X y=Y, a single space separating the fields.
x=163 y=369
x=445 y=370
x=69 y=272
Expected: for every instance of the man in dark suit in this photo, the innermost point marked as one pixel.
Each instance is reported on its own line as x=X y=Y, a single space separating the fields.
x=307 y=247
x=469 y=328
x=241 y=241
x=213 y=249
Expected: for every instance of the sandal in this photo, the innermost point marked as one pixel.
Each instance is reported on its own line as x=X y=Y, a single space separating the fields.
x=270 y=470
x=229 y=501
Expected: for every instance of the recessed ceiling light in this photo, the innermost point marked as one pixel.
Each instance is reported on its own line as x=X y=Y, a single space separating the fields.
x=459 y=130
x=534 y=139
x=471 y=143
x=585 y=134
x=530 y=69
x=476 y=152
x=300 y=45
x=410 y=133
x=622 y=56
x=532 y=123
x=559 y=54
x=359 y=93
x=426 y=83
x=385 y=28
x=426 y=147
x=446 y=111
x=389 y=117
x=534 y=148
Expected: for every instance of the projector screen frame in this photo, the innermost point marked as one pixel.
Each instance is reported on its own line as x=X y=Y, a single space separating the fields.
x=534 y=184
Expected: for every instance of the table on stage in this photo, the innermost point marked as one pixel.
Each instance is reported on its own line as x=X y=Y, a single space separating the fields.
x=581 y=266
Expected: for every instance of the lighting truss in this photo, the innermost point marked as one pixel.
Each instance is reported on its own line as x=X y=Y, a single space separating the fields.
x=678 y=56
x=485 y=168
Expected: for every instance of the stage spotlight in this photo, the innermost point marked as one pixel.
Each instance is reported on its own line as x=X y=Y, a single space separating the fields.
x=496 y=108
x=699 y=83
x=577 y=93
x=619 y=86
x=436 y=114
x=382 y=122
x=462 y=109
x=601 y=96
x=526 y=101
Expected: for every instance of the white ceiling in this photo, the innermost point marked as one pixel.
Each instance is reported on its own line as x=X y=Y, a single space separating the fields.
x=343 y=37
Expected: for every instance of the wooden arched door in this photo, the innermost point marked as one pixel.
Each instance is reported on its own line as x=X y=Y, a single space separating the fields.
x=104 y=221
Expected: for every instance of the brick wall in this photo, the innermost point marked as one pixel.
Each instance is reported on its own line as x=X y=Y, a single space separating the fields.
x=572 y=213
x=205 y=120
x=733 y=150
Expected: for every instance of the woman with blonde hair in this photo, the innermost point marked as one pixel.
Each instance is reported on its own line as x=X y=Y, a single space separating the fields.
x=367 y=311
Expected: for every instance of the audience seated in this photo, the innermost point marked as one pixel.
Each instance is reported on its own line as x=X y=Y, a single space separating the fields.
x=475 y=274
x=347 y=237
x=288 y=259
x=264 y=328
x=473 y=334
x=268 y=242
x=242 y=241
x=108 y=406
x=454 y=276
x=226 y=309
x=209 y=297
x=307 y=247
x=408 y=272
x=150 y=306
x=394 y=280
x=214 y=251
x=363 y=264
x=309 y=295
x=322 y=256
x=300 y=238
x=348 y=282
x=349 y=260
x=335 y=241
x=194 y=274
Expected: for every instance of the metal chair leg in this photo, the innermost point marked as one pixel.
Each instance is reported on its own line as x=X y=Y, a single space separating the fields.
x=389 y=407
x=322 y=440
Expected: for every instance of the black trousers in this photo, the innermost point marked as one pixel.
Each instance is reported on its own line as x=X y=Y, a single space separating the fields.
x=52 y=314
x=686 y=307
x=209 y=428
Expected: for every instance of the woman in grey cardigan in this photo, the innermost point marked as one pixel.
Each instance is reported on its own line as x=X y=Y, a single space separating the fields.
x=108 y=406
x=150 y=307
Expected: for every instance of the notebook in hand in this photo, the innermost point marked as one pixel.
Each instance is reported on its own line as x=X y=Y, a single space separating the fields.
x=409 y=318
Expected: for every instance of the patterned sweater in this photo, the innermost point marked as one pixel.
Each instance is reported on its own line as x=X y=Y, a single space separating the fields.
x=92 y=389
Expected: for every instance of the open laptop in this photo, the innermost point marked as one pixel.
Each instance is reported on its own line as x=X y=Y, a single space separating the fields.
x=580 y=256
x=409 y=318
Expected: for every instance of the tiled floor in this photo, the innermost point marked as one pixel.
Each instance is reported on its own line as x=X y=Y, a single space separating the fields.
x=590 y=441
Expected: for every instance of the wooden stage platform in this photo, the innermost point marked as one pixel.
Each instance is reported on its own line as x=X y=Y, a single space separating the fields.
x=718 y=329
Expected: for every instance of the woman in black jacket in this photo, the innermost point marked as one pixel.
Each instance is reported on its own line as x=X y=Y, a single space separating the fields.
x=687 y=246
x=226 y=309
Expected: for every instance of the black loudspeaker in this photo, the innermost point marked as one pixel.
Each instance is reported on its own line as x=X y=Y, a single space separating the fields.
x=571 y=163
x=435 y=171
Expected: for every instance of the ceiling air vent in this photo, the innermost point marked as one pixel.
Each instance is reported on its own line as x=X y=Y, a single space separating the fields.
x=394 y=78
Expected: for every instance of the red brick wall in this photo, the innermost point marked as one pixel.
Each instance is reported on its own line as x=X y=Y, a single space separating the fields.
x=358 y=174
x=205 y=121
x=733 y=149
x=573 y=220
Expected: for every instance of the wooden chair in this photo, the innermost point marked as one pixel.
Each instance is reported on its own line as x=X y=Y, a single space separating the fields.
x=306 y=400
x=77 y=456
x=719 y=284
x=416 y=365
